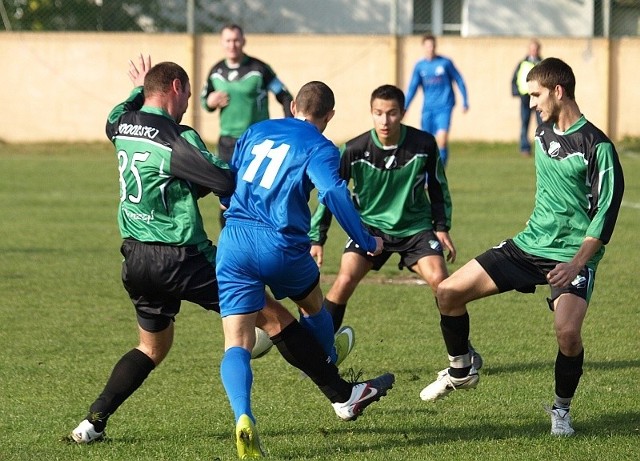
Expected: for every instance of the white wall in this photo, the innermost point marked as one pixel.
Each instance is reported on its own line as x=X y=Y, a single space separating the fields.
x=568 y=18
x=524 y=18
x=320 y=16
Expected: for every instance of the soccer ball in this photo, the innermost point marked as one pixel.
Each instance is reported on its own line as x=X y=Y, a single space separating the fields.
x=263 y=344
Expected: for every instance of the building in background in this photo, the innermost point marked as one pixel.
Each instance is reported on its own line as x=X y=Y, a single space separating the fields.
x=467 y=18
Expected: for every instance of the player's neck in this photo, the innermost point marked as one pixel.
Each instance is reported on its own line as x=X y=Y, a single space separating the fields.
x=234 y=62
x=568 y=116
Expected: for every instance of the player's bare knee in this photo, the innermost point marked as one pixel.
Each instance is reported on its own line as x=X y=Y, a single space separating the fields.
x=344 y=283
x=435 y=279
x=569 y=341
x=447 y=297
x=156 y=354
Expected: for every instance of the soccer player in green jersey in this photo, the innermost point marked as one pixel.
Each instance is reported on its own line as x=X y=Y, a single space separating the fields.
x=238 y=86
x=579 y=187
x=401 y=191
x=164 y=168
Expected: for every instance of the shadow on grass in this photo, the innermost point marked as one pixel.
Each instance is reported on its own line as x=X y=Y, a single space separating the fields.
x=31 y=250
x=412 y=435
x=488 y=369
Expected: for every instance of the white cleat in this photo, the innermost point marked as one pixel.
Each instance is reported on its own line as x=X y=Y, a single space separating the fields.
x=445 y=384
x=86 y=433
x=362 y=395
x=560 y=422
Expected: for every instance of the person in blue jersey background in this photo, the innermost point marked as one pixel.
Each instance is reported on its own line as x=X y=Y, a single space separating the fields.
x=435 y=74
x=277 y=164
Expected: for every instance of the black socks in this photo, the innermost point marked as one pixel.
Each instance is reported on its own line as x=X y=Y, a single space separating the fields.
x=127 y=376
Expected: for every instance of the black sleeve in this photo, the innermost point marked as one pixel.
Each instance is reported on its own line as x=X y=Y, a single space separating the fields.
x=201 y=168
x=285 y=98
x=320 y=224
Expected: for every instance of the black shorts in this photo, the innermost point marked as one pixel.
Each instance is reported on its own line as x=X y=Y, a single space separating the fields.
x=411 y=249
x=513 y=269
x=226 y=146
x=158 y=277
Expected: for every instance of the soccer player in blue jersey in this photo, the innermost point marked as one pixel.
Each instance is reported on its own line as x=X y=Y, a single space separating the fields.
x=164 y=169
x=277 y=164
x=435 y=74
x=579 y=188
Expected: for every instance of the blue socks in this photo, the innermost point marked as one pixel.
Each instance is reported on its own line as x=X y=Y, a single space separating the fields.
x=237 y=378
x=321 y=327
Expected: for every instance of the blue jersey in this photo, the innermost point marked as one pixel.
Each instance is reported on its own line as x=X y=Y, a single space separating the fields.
x=277 y=164
x=436 y=77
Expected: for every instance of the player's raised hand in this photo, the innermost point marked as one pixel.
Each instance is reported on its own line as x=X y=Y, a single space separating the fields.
x=139 y=71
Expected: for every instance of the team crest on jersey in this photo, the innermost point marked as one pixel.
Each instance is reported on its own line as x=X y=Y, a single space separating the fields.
x=390 y=162
x=554 y=149
x=366 y=154
x=440 y=70
x=435 y=245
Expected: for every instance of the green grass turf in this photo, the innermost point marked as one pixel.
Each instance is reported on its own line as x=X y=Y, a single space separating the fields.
x=65 y=321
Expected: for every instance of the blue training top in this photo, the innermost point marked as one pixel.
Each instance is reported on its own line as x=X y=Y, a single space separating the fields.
x=436 y=79
x=277 y=164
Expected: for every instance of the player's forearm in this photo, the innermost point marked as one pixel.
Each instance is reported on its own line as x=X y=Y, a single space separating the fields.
x=589 y=247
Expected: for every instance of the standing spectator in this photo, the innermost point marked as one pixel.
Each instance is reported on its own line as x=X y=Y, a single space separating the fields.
x=578 y=195
x=435 y=74
x=519 y=88
x=265 y=243
x=238 y=86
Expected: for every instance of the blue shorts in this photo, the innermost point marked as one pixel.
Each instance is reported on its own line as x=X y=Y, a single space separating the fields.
x=436 y=120
x=251 y=257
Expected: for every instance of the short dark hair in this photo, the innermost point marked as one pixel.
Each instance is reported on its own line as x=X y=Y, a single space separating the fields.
x=388 y=93
x=233 y=26
x=161 y=76
x=551 y=72
x=431 y=37
x=315 y=98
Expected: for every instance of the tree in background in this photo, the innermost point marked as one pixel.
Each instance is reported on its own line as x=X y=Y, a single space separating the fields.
x=107 y=15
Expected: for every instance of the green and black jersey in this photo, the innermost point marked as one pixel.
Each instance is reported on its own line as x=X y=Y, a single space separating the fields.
x=579 y=187
x=164 y=167
x=389 y=185
x=247 y=86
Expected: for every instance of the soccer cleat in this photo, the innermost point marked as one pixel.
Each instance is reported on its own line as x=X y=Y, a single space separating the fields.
x=247 y=441
x=345 y=340
x=476 y=358
x=86 y=433
x=445 y=383
x=362 y=395
x=560 y=422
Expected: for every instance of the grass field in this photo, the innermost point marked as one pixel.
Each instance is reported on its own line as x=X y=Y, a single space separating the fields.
x=65 y=320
